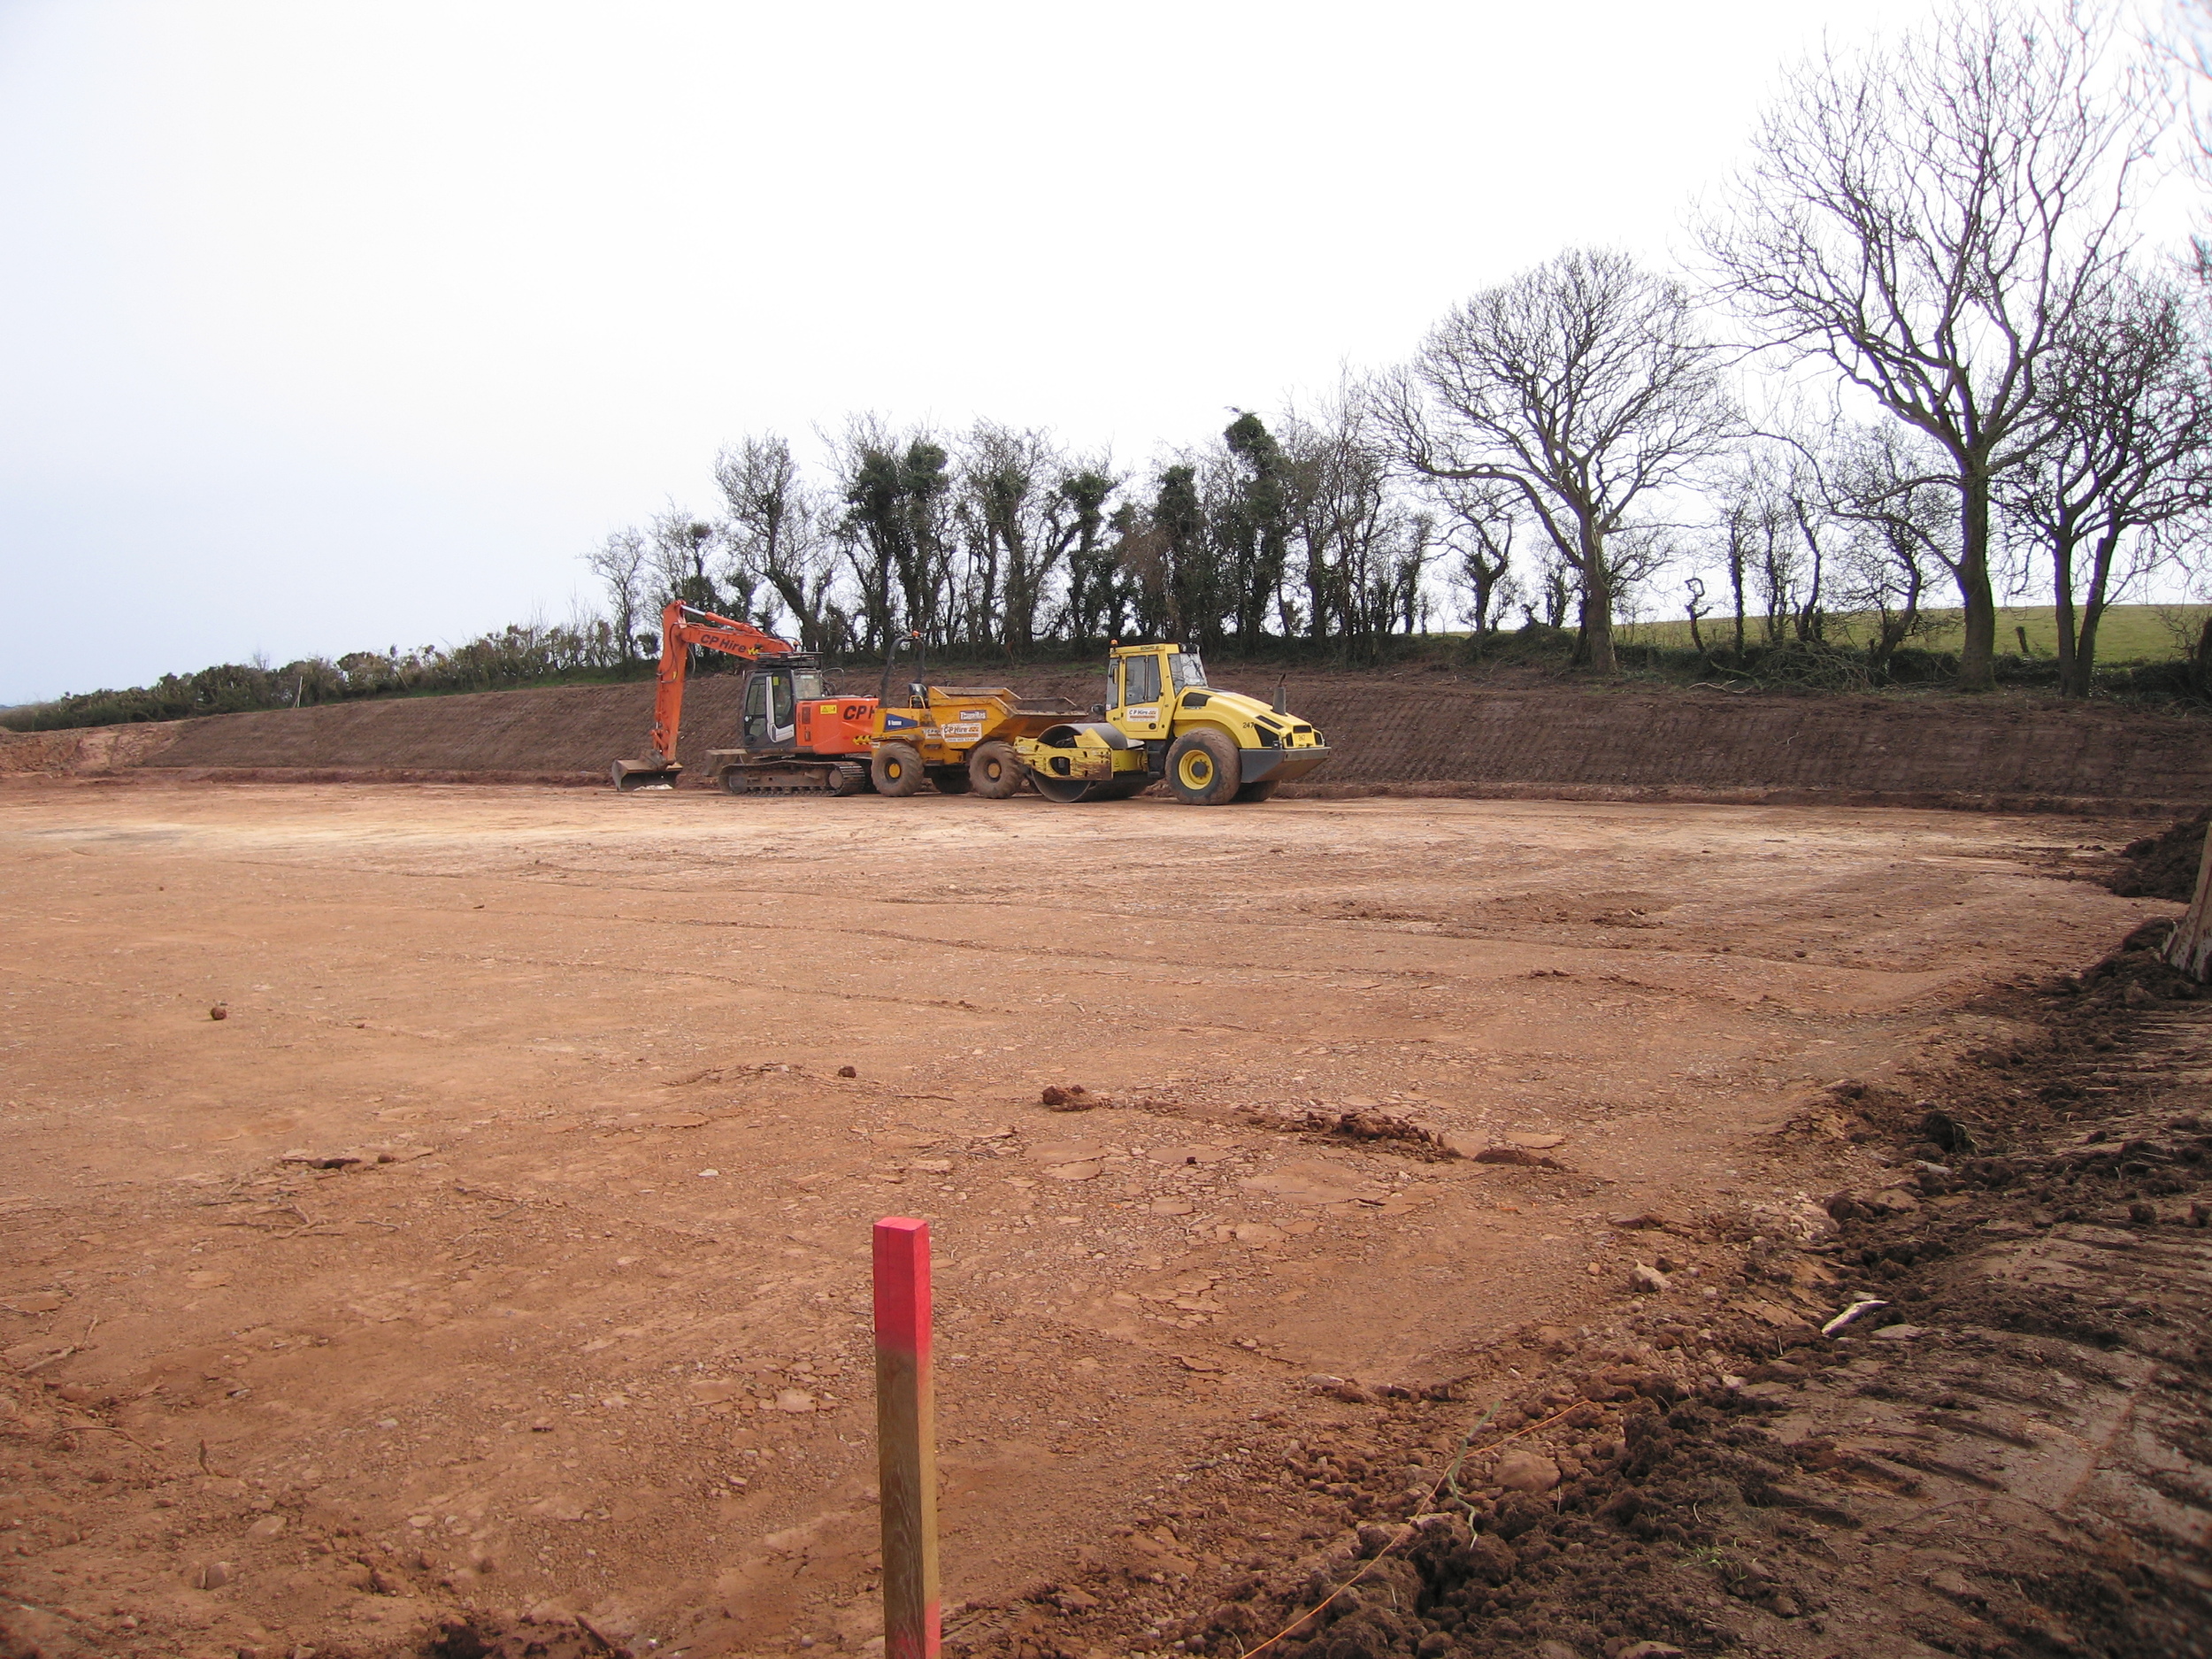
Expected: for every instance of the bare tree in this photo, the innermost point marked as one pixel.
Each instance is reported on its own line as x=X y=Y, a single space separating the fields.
x=1734 y=533
x=1929 y=220
x=679 y=544
x=1016 y=527
x=618 y=562
x=2187 y=46
x=2130 y=408
x=1358 y=547
x=1902 y=517
x=1480 y=525
x=775 y=535
x=1694 y=598
x=1587 y=384
x=1759 y=531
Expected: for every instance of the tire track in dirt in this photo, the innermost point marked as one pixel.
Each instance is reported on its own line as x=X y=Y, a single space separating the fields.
x=1965 y=1411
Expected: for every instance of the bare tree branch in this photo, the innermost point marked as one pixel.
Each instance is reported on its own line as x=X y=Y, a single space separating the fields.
x=1928 y=220
x=1586 y=386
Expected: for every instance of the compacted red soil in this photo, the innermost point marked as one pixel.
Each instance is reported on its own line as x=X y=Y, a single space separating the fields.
x=491 y=1275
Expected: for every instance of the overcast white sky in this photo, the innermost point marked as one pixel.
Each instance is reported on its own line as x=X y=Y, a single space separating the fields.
x=333 y=325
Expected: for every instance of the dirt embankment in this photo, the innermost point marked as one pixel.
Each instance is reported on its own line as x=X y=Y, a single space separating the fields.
x=1414 y=733
x=1997 y=1448
x=98 y=748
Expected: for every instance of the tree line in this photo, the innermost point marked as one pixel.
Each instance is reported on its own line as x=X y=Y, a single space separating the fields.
x=520 y=654
x=997 y=539
x=1922 y=361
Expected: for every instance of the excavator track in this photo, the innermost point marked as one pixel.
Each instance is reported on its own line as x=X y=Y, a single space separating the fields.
x=795 y=777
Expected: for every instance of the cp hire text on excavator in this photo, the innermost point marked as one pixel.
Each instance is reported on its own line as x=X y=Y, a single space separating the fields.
x=1161 y=722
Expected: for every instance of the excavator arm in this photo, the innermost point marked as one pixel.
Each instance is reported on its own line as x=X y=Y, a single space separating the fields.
x=683 y=628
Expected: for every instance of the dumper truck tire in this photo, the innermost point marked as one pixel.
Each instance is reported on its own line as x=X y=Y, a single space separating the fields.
x=995 y=771
x=1203 y=769
x=896 y=769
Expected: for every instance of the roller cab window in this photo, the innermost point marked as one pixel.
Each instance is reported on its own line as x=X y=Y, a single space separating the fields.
x=1140 y=679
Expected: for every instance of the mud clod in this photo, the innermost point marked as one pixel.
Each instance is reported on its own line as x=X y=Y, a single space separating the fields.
x=2164 y=865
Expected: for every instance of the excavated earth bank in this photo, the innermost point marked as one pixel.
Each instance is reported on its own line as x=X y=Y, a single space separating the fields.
x=1406 y=732
x=2005 y=1454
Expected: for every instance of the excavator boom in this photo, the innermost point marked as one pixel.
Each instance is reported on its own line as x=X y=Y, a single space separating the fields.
x=684 y=627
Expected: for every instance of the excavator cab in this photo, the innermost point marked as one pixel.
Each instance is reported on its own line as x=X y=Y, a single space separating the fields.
x=768 y=724
x=794 y=738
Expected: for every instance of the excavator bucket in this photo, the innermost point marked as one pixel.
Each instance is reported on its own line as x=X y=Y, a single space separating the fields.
x=642 y=774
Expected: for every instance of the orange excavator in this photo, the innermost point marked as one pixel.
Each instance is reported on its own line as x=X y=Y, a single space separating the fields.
x=794 y=740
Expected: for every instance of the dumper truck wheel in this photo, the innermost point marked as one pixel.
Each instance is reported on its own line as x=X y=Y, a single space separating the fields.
x=1259 y=791
x=897 y=768
x=1203 y=769
x=950 y=779
x=994 y=769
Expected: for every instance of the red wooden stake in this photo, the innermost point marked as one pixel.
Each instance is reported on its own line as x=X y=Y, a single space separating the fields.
x=906 y=1439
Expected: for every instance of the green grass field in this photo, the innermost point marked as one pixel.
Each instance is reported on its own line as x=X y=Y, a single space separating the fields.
x=2128 y=634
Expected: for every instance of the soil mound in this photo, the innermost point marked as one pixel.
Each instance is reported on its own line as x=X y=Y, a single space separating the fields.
x=1412 y=731
x=2163 y=866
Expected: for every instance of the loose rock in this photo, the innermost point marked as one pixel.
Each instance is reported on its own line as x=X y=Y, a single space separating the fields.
x=1526 y=1471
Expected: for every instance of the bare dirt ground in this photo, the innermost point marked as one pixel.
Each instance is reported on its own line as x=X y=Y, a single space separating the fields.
x=502 y=1251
